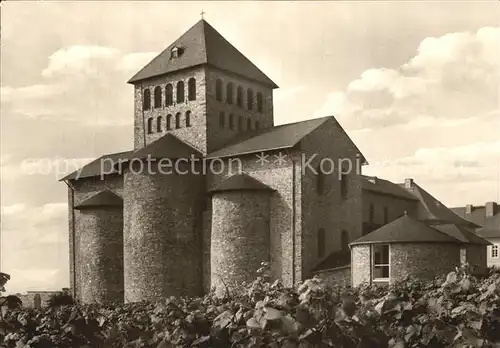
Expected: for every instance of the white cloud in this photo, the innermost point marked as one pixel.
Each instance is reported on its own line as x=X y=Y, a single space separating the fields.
x=13 y=209
x=452 y=79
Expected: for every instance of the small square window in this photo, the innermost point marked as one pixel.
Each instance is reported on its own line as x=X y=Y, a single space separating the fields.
x=494 y=251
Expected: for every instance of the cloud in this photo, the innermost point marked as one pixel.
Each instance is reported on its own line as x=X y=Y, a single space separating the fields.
x=451 y=80
x=37 y=236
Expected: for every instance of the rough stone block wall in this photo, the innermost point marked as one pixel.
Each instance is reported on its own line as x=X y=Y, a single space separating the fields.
x=83 y=189
x=162 y=234
x=194 y=135
x=285 y=208
x=476 y=257
x=217 y=136
x=207 y=237
x=361 y=264
x=339 y=276
x=100 y=254
x=328 y=209
x=240 y=237
x=29 y=300
x=396 y=207
x=423 y=260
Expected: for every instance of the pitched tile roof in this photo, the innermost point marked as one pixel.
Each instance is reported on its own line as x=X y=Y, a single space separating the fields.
x=386 y=187
x=202 y=44
x=406 y=230
x=240 y=182
x=461 y=233
x=491 y=227
x=168 y=146
x=435 y=210
x=98 y=166
x=334 y=260
x=477 y=215
x=104 y=198
x=274 y=138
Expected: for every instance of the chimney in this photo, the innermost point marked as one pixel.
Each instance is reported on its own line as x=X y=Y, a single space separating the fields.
x=468 y=209
x=490 y=208
x=408 y=183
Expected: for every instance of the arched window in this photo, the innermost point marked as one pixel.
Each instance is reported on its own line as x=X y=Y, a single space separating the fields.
x=178 y=120
x=231 y=121
x=257 y=125
x=218 y=90
x=157 y=93
x=239 y=97
x=146 y=99
x=249 y=99
x=240 y=123
x=249 y=125
x=180 y=92
x=188 y=118
x=150 y=125
x=260 y=102
x=169 y=98
x=344 y=240
x=169 y=122
x=192 y=89
x=222 y=119
x=321 y=242
x=229 y=93
x=159 y=120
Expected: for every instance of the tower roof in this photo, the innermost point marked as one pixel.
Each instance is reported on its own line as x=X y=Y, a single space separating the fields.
x=202 y=44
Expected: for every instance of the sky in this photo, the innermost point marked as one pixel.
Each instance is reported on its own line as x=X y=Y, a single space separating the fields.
x=414 y=84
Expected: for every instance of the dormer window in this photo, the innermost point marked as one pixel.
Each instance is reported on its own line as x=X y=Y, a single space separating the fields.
x=175 y=52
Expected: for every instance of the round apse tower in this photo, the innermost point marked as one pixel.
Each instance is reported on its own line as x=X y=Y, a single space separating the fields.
x=162 y=234
x=99 y=224
x=240 y=237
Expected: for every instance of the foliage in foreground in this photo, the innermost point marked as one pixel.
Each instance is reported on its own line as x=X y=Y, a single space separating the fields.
x=459 y=311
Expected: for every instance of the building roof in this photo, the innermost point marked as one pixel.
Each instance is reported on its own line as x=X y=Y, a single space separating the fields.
x=406 y=230
x=437 y=211
x=168 y=146
x=491 y=227
x=461 y=233
x=99 y=166
x=104 y=198
x=386 y=187
x=202 y=44
x=275 y=138
x=477 y=215
x=240 y=182
x=334 y=260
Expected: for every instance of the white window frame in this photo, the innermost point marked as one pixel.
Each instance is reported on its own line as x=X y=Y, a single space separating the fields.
x=381 y=280
x=495 y=252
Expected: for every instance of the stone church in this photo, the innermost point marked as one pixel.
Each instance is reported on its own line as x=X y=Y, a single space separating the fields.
x=212 y=187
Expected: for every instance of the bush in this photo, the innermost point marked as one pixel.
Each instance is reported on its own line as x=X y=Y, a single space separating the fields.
x=457 y=311
x=60 y=299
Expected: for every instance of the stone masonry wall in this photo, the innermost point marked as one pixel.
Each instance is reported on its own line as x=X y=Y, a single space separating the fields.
x=218 y=135
x=194 y=135
x=396 y=207
x=100 y=254
x=338 y=276
x=361 y=264
x=83 y=189
x=162 y=234
x=240 y=237
x=285 y=208
x=328 y=209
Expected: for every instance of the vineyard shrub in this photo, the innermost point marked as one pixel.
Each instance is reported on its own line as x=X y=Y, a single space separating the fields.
x=457 y=311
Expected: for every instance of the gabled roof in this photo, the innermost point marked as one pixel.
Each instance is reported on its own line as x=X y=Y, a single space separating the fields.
x=168 y=146
x=406 y=230
x=275 y=138
x=477 y=215
x=491 y=228
x=386 y=187
x=436 y=210
x=461 y=233
x=104 y=198
x=100 y=165
x=202 y=44
x=240 y=182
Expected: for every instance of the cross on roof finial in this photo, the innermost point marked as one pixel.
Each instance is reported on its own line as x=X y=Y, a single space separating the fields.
x=202 y=13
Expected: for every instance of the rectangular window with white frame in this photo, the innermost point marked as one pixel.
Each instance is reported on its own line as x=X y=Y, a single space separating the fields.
x=381 y=263
x=494 y=251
